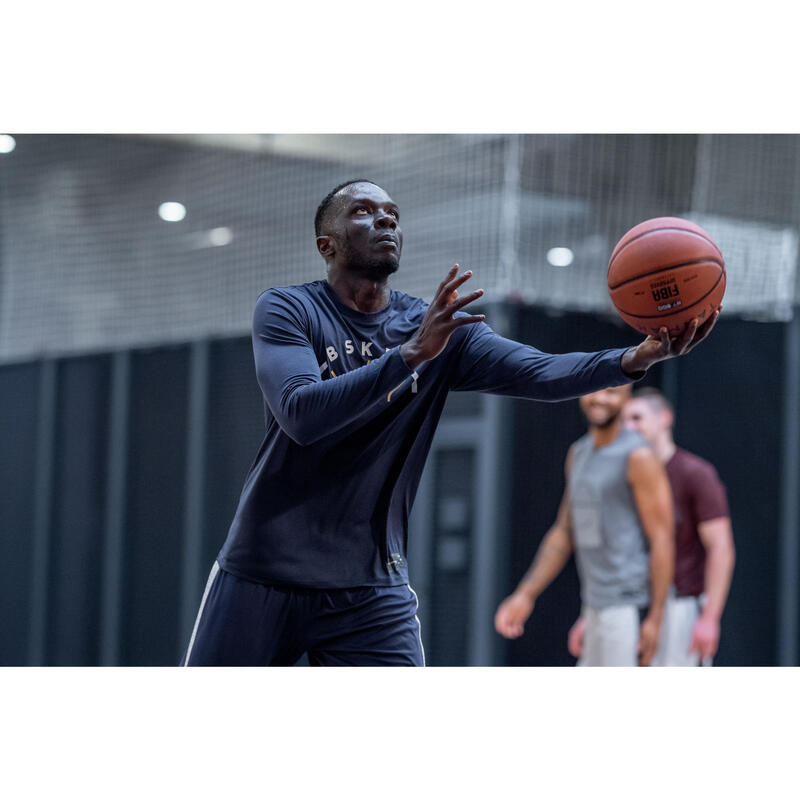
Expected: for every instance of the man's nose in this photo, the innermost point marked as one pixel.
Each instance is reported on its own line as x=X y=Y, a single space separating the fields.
x=384 y=220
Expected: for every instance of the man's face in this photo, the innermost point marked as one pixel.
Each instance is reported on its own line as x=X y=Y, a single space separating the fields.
x=602 y=408
x=365 y=231
x=648 y=419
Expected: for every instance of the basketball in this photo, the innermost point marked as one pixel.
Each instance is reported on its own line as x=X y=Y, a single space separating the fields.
x=664 y=272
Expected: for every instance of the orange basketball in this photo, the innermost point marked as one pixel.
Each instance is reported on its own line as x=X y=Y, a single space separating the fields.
x=664 y=272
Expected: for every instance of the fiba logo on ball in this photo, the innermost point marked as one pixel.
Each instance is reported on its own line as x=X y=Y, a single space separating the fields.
x=664 y=272
x=661 y=293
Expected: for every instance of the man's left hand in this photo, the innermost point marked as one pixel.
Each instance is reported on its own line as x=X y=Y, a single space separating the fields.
x=705 y=638
x=648 y=640
x=659 y=348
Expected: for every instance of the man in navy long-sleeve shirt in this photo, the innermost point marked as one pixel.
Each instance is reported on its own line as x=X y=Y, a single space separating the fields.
x=354 y=377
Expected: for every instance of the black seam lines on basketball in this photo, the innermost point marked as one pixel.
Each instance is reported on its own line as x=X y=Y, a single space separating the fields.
x=615 y=256
x=682 y=308
x=720 y=264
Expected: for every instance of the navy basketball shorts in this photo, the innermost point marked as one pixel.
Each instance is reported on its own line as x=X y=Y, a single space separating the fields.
x=242 y=623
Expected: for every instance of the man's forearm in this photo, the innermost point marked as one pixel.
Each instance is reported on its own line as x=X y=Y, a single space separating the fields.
x=308 y=408
x=494 y=364
x=719 y=569
x=548 y=562
x=661 y=572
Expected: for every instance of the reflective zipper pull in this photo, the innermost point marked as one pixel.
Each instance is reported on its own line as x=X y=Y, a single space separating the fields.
x=414 y=377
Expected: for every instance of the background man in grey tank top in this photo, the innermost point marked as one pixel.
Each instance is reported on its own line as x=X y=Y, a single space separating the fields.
x=616 y=516
x=704 y=548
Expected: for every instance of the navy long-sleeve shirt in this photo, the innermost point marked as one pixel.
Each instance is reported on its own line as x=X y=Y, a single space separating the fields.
x=349 y=425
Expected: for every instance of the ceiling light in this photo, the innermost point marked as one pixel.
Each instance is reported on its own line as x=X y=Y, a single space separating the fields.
x=172 y=212
x=7 y=143
x=219 y=237
x=560 y=256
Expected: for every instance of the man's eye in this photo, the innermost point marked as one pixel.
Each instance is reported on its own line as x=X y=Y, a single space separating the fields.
x=395 y=214
x=361 y=209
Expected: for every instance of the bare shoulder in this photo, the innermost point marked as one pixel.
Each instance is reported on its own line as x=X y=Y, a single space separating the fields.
x=643 y=462
x=570 y=457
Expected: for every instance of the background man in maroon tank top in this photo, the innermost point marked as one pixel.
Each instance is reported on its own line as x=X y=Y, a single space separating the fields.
x=704 y=549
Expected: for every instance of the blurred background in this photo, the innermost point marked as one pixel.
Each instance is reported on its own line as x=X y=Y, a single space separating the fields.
x=130 y=414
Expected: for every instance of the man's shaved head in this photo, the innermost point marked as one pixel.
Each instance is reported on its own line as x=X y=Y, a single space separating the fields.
x=322 y=209
x=654 y=398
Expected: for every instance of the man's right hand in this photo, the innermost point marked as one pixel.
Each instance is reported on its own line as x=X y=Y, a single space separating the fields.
x=575 y=637
x=512 y=614
x=439 y=323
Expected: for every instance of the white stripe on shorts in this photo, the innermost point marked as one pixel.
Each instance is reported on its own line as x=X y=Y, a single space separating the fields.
x=419 y=627
x=209 y=582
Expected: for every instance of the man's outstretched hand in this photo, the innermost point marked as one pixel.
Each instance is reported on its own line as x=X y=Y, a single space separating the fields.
x=659 y=348
x=439 y=323
x=512 y=614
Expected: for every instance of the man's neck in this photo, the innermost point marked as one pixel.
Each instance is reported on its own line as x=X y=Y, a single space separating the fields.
x=604 y=436
x=665 y=448
x=359 y=293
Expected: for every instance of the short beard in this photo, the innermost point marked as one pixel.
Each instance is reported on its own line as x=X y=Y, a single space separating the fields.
x=375 y=269
x=607 y=424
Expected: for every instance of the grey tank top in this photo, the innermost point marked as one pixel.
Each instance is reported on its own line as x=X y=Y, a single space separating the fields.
x=610 y=545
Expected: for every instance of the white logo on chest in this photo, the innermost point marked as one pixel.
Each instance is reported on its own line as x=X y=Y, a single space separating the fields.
x=350 y=347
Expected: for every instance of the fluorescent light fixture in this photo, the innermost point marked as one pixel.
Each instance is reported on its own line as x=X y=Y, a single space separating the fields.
x=219 y=237
x=172 y=212
x=7 y=143
x=560 y=256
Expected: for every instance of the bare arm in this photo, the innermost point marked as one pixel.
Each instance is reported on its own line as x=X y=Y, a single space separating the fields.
x=552 y=554
x=653 y=499
x=717 y=538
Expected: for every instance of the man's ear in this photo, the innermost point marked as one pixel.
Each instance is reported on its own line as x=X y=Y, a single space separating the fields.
x=326 y=246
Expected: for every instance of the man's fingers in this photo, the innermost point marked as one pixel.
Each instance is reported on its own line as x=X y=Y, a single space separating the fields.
x=466 y=300
x=452 y=284
x=508 y=629
x=705 y=648
x=646 y=650
x=684 y=341
x=457 y=322
x=450 y=273
x=704 y=329
x=501 y=621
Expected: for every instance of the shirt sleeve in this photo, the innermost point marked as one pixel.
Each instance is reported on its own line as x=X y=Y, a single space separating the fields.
x=306 y=407
x=709 y=497
x=491 y=363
